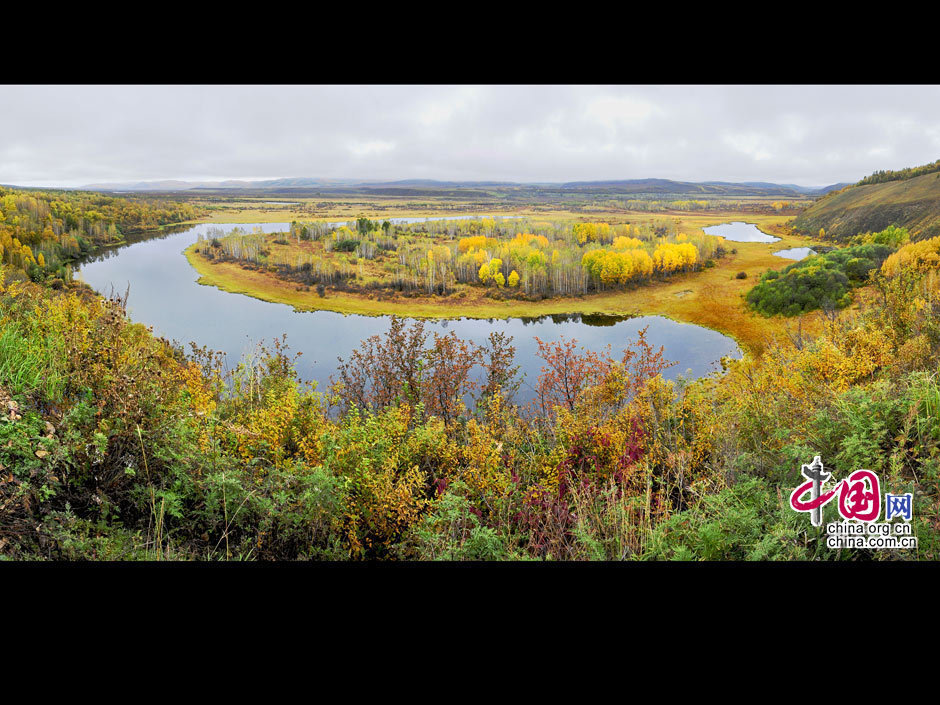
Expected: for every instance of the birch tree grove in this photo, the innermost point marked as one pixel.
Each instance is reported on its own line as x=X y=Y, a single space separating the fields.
x=518 y=256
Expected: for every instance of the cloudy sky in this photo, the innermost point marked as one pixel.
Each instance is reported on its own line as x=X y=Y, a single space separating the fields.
x=809 y=135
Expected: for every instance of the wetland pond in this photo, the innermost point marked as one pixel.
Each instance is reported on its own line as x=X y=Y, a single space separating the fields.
x=163 y=293
x=739 y=232
x=796 y=253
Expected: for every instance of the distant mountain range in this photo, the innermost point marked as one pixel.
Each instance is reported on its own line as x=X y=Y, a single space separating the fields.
x=628 y=186
x=813 y=190
x=175 y=185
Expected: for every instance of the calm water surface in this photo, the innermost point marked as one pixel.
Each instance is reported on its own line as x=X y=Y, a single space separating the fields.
x=740 y=232
x=796 y=253
x=164 y=294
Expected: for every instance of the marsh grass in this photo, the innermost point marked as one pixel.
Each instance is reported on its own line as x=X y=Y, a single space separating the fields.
x=26 y=367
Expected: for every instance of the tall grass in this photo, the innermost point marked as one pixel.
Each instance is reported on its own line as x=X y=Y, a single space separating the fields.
x=24 y=366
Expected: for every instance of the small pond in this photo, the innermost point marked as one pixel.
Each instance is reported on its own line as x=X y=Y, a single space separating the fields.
x=796 y=253
x=740 y=232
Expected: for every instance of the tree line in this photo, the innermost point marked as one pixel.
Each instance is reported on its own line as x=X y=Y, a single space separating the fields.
x=42 y=231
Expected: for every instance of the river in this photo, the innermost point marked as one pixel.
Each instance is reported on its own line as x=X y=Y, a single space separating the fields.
x=163 y=293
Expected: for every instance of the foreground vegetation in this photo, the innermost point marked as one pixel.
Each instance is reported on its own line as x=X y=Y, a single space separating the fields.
x=115 y=445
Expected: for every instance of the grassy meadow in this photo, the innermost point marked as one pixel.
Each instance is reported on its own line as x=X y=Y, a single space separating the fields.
x=237 y=210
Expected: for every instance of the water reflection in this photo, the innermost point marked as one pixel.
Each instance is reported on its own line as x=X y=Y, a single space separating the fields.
x=588 y=319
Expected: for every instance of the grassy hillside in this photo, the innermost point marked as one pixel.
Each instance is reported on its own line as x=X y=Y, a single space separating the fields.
x=912 y=203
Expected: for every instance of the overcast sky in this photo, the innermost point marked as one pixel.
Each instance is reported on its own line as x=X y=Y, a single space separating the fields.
x=809 y=135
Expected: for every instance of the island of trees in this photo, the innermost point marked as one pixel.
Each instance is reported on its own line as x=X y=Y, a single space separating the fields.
x=519 y=258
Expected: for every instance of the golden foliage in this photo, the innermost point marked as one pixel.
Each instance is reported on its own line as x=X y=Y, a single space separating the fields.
x=918 y=257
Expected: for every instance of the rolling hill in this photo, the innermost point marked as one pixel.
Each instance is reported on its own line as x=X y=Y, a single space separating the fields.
x=913 y=203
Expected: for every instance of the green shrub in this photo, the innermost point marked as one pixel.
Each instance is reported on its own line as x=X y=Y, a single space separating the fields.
x=819 y=281
x=748 y=521
x=346 y=246
x=452 y=532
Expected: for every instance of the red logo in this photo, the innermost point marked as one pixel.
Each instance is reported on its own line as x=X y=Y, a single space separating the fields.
x=861 y=496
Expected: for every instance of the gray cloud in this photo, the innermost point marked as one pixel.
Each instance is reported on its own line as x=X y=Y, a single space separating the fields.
x=811 y=135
